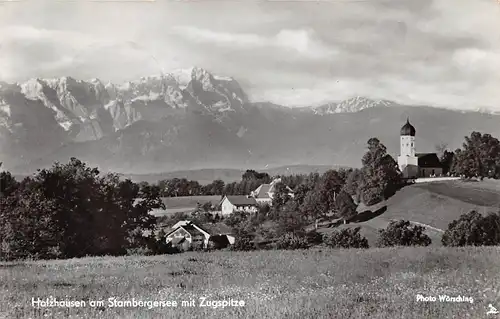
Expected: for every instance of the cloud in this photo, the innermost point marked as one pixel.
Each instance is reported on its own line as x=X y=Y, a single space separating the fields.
x=434 y=52
x=301 y=41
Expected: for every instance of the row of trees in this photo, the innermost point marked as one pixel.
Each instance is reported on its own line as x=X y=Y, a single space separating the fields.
x=471 y=229
x=250 y=180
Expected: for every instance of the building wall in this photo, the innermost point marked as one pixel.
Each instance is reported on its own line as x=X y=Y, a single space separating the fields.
x=408 y=165
x=227 y=207
x=430 y=171
x=407 y=144
x=231 y=239
x=179 y=233
x=246 y=209
x=262 y=201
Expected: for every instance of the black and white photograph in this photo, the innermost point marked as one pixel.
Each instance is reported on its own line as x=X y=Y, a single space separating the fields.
x=282 y=159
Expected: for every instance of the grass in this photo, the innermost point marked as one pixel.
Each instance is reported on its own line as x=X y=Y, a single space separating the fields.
x=183 y=204
x=374 y=283
x=433 y=205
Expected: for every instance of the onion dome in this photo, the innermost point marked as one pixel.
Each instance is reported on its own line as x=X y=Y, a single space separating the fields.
x=408 y=129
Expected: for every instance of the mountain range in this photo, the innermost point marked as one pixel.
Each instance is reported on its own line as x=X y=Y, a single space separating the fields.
x=193 y=119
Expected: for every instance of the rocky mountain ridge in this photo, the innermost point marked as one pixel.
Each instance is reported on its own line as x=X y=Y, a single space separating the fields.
x=193 y=119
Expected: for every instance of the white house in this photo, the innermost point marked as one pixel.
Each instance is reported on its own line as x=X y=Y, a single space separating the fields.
x=188 y=235
x=231 y=204
x=264 y=193
x=185 y=234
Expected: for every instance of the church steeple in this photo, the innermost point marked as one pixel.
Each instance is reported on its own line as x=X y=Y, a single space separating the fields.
x=407 y=129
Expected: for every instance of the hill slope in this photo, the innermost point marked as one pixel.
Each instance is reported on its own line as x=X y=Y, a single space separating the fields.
x=433 y=205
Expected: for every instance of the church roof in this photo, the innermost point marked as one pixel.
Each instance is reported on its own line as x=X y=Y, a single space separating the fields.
x=430 y=160
x=407 y=129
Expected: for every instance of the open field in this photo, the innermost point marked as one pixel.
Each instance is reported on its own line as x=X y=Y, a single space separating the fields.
x=374 y=283
x=434 y=205
x=183 y=204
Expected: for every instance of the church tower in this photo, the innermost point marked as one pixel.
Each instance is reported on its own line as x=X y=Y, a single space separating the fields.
x=407 y=161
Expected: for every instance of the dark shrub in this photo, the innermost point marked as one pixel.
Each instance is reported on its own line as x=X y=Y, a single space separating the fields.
x=401 y=233
x=473 y=229
x=292 y=241
x=314 y=238
x=243 y=243
x=347 y=238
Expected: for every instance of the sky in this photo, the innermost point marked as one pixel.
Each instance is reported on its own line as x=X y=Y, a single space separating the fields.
x=442 y=53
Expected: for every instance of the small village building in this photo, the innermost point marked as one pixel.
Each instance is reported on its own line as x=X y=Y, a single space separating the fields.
x=264 y=193
x=188 y=236
x=412 y=164
x=232 y=204
x=185 y=235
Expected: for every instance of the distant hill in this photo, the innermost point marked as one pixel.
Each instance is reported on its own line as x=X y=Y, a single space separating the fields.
x=206 y=176
x=429 y=204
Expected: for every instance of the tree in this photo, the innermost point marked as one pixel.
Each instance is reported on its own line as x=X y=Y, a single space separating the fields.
x=381 y=175
x=353 y=182
x=329 y=187
x=281 y=196
x=473 y=229
x=312 y=207
x=401 y=233
x=479 y=156
x=8 y=184
x=447 y=161
x=252 y=175
x=28 y=227
x=441 y=149
x=345 y=205
x=346 y=238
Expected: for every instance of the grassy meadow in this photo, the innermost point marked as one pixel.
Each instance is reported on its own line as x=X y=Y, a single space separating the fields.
x=319 y=283
x=432 y=205
x=184 y=204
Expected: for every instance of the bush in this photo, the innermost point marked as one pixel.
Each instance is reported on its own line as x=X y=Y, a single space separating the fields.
x=347 y=238
x=401 y=233
x=314 y=238
x=292 y=241
x=473 y=229
x=243 y=243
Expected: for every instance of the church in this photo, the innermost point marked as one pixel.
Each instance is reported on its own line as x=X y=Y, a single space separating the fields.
x=412 y=164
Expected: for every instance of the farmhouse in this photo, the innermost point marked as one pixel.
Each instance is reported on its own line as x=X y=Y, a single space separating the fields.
x=186 y=234
x=412 y=164
x=231 y=204
x=265 y=192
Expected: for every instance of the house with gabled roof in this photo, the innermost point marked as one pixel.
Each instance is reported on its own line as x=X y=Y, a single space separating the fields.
x=186 y=234
x=264 y=193
x=231 y=204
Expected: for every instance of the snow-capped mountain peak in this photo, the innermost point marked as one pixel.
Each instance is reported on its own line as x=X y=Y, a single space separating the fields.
x=351 y=105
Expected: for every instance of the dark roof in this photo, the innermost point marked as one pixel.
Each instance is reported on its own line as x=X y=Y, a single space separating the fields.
x=408 y=129
x=217 y=229
x=428 y=160
x=192 y=230
x=242 y=200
